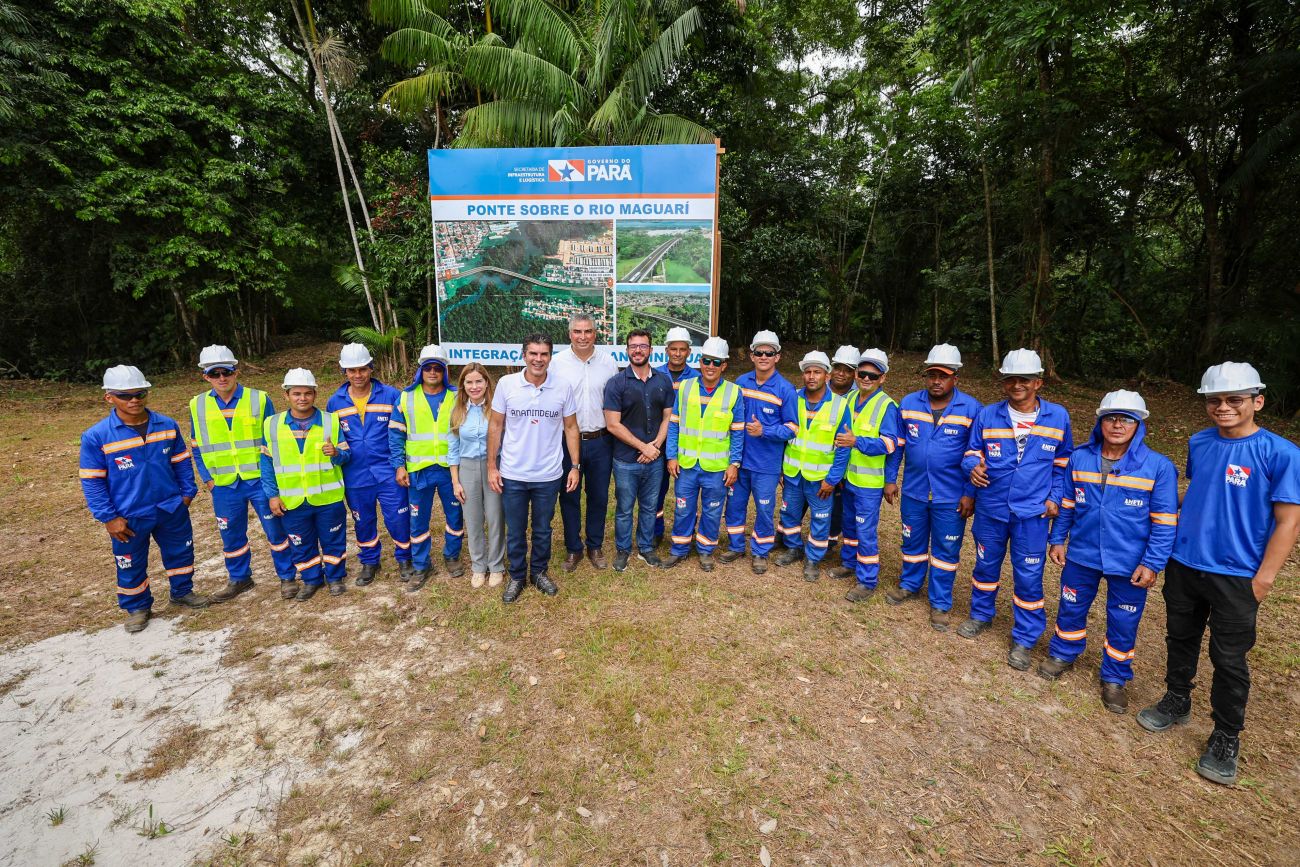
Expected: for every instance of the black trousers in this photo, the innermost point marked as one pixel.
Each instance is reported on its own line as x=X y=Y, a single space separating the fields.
x=1227 y=603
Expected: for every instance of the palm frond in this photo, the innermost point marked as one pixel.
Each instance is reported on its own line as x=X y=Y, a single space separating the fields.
x=341 y=63
x=669 y=129
x=557 y=36
x=617 y=32
x=380 y=343
x=420 y=14
x=414 y=47
x=517 y=75
x=612 y=116
x=351 y=278
x=413 y=95
x=649 y=70
x=984 y=61
x=506 y=123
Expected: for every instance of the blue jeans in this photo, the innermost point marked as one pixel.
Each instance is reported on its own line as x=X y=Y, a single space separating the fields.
x=636 y=484
x=517 y=498
x=597 y=456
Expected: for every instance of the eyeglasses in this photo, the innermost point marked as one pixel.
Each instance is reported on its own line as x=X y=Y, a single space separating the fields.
x=1121 y=420
x=712 y=362
x=763 y=353
x=866 y=374
x=1236 y=401
x=632 y=346
x=130 y=395
x=218 y=373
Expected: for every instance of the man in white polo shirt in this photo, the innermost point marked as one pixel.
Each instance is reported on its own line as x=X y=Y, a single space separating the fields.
x=587 y=368
x=531 y=412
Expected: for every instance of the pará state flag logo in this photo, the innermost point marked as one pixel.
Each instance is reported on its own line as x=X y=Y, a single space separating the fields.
x=124 y=561
x=1078 y=495
x=912 y=430
x=1237 y=475
x=994 y=449
x=124 y=462
x=566 y=170
x=979 y=550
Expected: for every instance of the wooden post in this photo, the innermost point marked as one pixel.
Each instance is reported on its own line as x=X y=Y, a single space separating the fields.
x=714 y=313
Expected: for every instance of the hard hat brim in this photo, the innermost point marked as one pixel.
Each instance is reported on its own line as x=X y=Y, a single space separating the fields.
x=950 y=370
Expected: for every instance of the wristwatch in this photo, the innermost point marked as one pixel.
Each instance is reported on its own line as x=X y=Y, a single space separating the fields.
x=576 y=467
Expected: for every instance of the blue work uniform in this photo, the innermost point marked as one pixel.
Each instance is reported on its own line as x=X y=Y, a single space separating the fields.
x=802 y=495
x=1010 y=511
x=933 y=483
x=775 y=405
x=861 y=507
x=425 y=482
x=1115 y=521
x=369 y=478
x=318 y=535
x=687 y=373
x=144 y=480
x=230 y=506
x=697 y=487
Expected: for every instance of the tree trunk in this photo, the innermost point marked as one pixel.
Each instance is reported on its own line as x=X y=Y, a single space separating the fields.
x=988 y=213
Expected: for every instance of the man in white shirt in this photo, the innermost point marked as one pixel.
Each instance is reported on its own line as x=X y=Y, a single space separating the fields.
x=587 y=369
x=531 y=412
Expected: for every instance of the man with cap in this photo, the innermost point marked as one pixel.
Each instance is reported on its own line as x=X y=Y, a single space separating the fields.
x=225 y=430
x=770 y=422
x=677 y=346
x=844 y=368
x=135 y=474
x=812 y=467
x=938 y=496
x=873 y=470
x=1120 y=518
x=705 y=437
x=1017 y=458
x=364 y=407
x=1239 y=523
x=419 y=451
x=303 y=452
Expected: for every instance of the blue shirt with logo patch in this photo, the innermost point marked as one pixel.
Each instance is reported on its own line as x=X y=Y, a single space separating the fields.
x=124 y=475
x=366 y=433
x=776 y=405
x=933 y=452
x=1227 y=514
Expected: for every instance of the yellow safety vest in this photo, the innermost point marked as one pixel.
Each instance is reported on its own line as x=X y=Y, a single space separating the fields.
x=428 y=438
x=864 y=471
x=230 y=451
x=306 y=475
x=812 y=451
x=704 y=432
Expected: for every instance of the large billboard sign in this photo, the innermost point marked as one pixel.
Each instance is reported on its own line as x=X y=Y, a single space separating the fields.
x=524 y=238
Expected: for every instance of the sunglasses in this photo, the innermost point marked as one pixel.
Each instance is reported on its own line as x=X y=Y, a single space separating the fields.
x=712 y=362
x=218 y=373
x=1121 y=420
x=1235 y=401
x=866 y=374
x=763 y=353
x=130 y=395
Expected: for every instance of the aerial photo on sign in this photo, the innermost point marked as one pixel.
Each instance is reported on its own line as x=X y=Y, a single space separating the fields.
x=665 y=251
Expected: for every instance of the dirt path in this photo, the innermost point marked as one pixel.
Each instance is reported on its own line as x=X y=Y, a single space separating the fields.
x=642 y=718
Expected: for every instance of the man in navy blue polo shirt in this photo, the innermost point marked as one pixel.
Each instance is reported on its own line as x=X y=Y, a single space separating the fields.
x=638 y=402
x=1239 y=522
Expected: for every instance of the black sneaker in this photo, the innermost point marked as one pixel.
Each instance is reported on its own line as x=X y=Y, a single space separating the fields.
x=368 y=573
x=544 y=583
x=731 y=555
x=620 y=560
x=1172 y=710
x=514 y=587
x=650 y=558
x=788 y=556
x=1218 y=763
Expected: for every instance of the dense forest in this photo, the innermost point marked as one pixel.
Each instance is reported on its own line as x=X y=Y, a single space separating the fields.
x=1114 y=184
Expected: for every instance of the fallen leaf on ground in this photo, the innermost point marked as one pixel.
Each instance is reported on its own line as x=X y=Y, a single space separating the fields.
x=584 y=812
x=767 y=827
x=764 y=857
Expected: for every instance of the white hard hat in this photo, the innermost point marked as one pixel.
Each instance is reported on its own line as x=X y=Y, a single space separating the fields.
x=299 y=376
x=1229 y=377
x=716 y=347
x=432 y=352
x=1021 y=362
x=765 y=338
x=216 y=356
x=848 y=356
x=945 y=356
x=1125 y=402
x=676 y=334
x=355 y=355
x=124 y=378
x=876 y=357
x=816 y=358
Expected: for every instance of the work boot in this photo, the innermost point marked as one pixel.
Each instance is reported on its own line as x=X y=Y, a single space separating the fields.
x=650 y=558
x=477 y=579
x=758 y=565
x=405 y=570
x=840 y=572
x=454 y=567
x=938 y=619
x=1172 y=710
x=1018 y=657
x=288 y=589
x=513 y=589
x=811 y=571
x=897 y=595
x=137 y=620
x=731 y=555
x=192 y=600
x=307 y=592
x=620 y=560
x=1114 y=697
x=544 y=583
x=1053 y=667
x=231 y=590
x=1218 y=763
x=706 y=562
x=860 y=593
x=597 y=558
x=571 y=560
x=970 y=627
x=788 y=556
x=495 y=579
x=671 y=560
x=337 y=588
x=420 y=578
x=368 y=573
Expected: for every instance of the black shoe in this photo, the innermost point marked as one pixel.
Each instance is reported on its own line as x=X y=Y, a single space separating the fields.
x=405 y=570
x=544 y=583
x=788 y=556
x=758 y=565
x=192 y=600
x=230 y=591
x=1018 y=657
x=811 y=571
x=1172 y=710
x=839 y=573
x=1114 y=697
x=368 y=573
x=1053 y=667
x=419 y=579
x=706 y=562
x=306 y=592
x=860 y=593
x=671 y=560
x=514 y=587
x=1218 y=763
x=970 y=627
x=620 y=560
x=731 y=555
x=897 y=595
x=337 y=588
x=454 y=569
x=650 y=558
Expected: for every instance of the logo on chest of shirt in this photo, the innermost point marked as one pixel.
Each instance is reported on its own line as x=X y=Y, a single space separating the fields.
x=994 y=449
x=124 y=462
x=1078 y=496
x=912 y=430
x=1134 y=501
x=1237 y=475
x=1049 y=447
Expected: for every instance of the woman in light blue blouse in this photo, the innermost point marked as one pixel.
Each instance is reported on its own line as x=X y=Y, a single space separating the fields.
x=468 y=453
